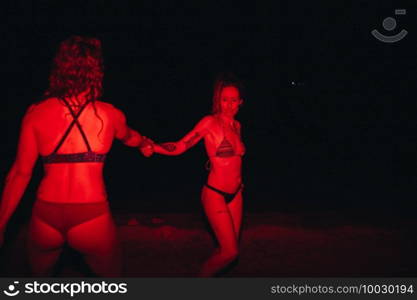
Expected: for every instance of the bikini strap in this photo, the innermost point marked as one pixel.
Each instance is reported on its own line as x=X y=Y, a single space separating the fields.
x=75 y=121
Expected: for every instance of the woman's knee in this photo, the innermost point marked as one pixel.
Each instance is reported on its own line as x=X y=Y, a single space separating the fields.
x=230 y=255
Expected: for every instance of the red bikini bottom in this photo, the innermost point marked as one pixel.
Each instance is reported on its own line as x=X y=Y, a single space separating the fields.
x=64 y=216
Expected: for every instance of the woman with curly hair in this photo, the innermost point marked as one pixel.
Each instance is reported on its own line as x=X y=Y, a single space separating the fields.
x=72 y=131
x=222 y=194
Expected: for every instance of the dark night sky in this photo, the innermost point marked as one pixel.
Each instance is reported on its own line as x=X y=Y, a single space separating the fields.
x=336 y=139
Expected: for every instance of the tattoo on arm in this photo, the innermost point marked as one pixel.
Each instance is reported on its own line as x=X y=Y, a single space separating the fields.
x=170 y=147
x=192 y=141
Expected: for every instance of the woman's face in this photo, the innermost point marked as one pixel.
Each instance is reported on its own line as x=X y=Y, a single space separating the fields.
x=230 y=101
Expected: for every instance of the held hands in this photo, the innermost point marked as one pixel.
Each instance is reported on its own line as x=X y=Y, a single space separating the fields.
x=146 y=146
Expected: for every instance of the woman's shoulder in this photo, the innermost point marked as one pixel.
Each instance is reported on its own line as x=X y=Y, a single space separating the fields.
x=40 y=107
x=108 y=108
x=38 y=112
x=208 y=119
x=44 y=103
x=104 y=105
x=111 y=110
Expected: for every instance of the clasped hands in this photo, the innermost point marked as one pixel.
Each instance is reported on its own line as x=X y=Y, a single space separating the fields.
x=147 y=146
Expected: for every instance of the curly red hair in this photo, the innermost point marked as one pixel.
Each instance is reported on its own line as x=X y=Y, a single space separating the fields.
x=77 y=67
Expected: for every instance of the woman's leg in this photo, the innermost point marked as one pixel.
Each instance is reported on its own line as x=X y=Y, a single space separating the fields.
x=44 y=247
x=221 y=221
x=235 y=209
x=97 y=240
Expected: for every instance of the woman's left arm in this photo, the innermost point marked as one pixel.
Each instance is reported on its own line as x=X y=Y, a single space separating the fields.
x=21 y=171
x=188 y=141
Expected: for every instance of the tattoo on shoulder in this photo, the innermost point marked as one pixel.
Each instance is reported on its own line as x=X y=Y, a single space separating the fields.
x=191 y=142
x=170 y=147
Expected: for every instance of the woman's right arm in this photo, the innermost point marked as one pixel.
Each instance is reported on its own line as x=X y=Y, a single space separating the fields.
x=124 y=133
x=20 y=173
x=189 y=140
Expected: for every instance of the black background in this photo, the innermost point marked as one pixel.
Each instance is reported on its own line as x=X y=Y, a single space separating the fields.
x=325 y=120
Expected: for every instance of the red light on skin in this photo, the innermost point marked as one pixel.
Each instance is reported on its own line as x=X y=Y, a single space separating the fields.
x=72 y=130
x=230 y=101
x=221 y=197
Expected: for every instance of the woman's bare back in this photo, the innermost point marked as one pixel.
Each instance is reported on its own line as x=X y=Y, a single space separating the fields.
x=69 y=181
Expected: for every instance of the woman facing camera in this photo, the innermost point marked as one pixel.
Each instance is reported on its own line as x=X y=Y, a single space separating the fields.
x=222 y=194
x=72 y=131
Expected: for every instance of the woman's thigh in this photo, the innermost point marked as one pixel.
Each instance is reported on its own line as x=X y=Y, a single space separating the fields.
x=44 y=246
x=235 y=209
x=97 y=236
x=220 y=219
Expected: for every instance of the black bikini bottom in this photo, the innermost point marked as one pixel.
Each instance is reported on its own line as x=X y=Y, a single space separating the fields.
x=227 y=196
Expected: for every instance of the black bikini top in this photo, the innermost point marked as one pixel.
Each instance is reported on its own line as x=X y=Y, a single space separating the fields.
x=225 y=148
x=89 y=156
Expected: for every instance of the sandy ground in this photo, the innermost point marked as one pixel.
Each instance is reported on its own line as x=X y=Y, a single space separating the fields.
x=272 y=245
